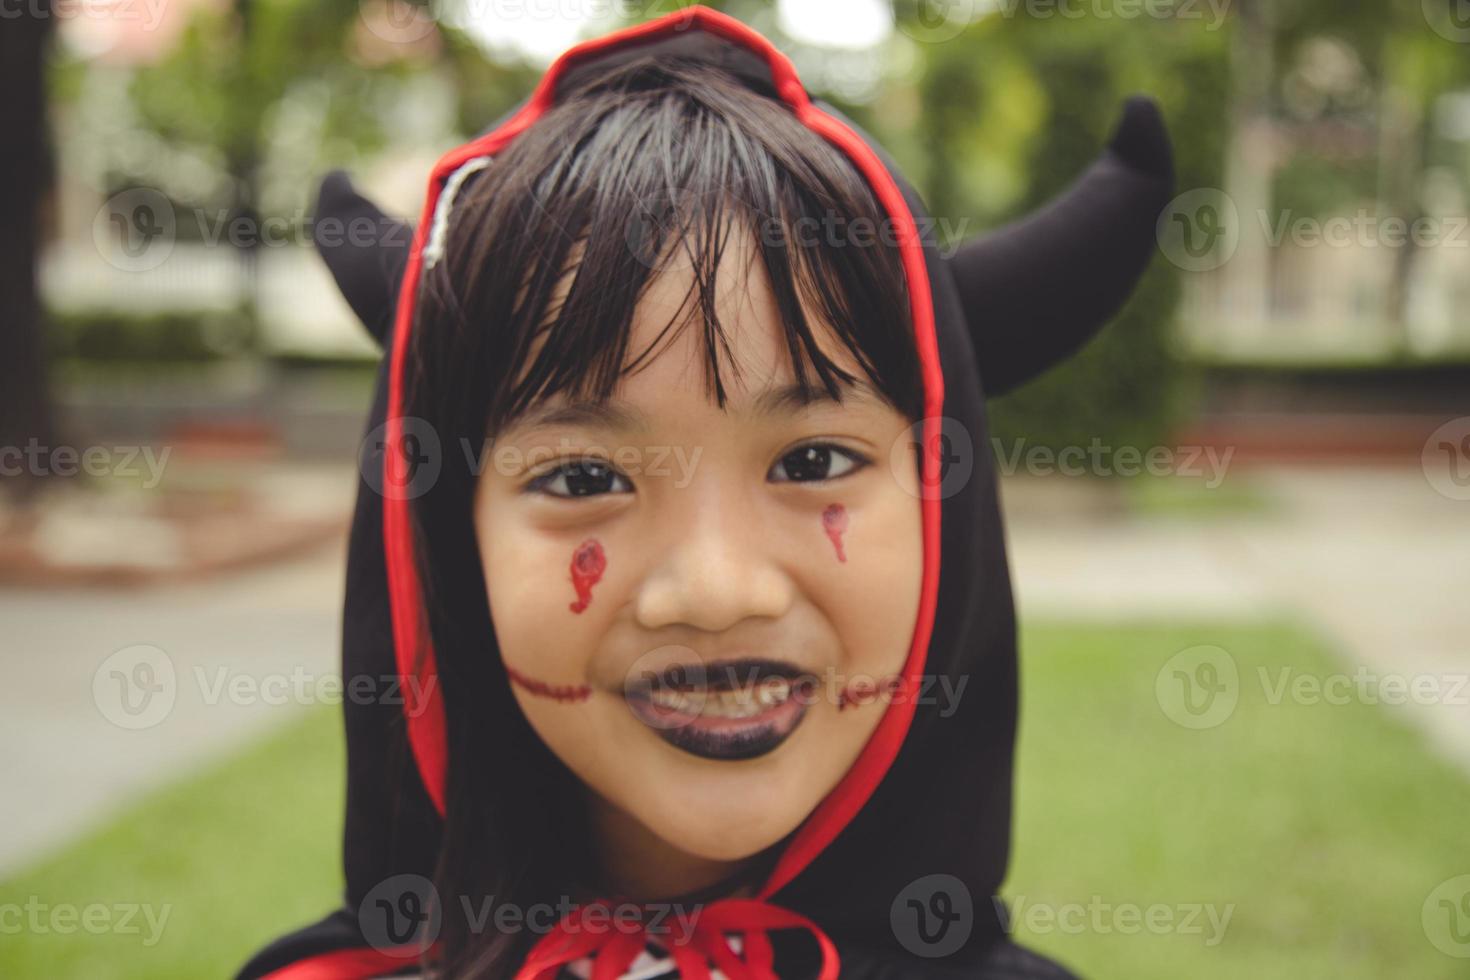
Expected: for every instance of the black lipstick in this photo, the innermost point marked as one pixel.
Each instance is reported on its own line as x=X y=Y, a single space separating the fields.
x=730 y=710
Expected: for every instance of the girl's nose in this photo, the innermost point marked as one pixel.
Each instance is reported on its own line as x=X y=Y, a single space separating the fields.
x=716 y=566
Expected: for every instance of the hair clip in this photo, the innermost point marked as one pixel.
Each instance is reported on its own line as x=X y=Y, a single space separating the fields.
x=439 y=230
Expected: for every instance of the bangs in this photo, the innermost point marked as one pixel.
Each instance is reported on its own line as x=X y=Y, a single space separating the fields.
x=640 y=171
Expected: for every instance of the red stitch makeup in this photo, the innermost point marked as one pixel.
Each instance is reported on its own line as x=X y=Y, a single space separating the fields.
x=862 y=691
x=556 y=692
x=834 y=522
x=588 y=564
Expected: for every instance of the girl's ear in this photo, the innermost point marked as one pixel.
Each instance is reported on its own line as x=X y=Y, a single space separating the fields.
x=1037 y=290
x=365 y=250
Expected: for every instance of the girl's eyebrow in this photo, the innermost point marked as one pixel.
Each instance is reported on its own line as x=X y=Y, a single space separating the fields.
x=616 y=415
x=611 y=414
x=792 y=398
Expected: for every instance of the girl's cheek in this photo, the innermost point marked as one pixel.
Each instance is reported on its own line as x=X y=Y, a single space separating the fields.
x=863 y=570
x=528 y=575
x=569 y=552
x=538 y=584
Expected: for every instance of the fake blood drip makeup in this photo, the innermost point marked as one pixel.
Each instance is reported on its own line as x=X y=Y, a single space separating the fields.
x=834 y=522
x=588 y=564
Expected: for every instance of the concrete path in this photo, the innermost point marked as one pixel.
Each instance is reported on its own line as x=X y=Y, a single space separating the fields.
x=1375 y=559
x=71 y=752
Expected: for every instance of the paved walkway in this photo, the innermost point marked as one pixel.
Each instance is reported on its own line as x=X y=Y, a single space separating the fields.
x=67 y=766
x=1372 y=557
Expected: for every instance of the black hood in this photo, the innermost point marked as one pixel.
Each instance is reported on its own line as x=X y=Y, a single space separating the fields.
x=926 y=809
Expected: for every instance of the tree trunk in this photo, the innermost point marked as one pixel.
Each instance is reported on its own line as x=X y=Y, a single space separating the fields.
x=25 y=167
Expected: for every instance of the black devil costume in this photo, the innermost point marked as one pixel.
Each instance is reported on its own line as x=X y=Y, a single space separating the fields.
x=913 y=842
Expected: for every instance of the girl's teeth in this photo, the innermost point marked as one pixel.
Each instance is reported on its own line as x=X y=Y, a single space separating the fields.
x=745 y=702
x=773 y=690
x=673 y=700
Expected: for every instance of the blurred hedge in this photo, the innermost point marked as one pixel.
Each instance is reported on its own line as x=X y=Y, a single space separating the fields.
x=173 y=336
x=1012 y=111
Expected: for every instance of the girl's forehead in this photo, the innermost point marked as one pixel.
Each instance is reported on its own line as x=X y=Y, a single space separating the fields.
x=639 y=405
x=668 y=336
x=669 y=324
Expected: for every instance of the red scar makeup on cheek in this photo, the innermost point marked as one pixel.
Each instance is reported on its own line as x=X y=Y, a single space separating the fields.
x=863 y=691
x=556 y=692
x=834 y=522
x=588 y=564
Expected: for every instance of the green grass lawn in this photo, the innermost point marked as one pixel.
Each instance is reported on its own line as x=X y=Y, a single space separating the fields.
x=233 y=857
x=1322 y=827
x=1325 y=826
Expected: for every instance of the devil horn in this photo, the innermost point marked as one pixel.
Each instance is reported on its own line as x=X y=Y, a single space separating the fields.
x=1036 y=290
x=365 y=250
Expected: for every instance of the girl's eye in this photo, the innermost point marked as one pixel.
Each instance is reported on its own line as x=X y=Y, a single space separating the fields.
x=580 y=478
x=815 y=462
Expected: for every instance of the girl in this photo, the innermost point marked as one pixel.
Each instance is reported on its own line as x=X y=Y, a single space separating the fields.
x=677 y=577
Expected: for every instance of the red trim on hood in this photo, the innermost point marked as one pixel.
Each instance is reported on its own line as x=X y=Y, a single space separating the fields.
x=424 y=710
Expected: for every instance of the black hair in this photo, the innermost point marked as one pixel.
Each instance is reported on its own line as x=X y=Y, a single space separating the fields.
x=633 y=163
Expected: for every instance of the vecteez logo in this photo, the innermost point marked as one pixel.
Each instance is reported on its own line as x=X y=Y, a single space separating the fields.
x=1198 y=687
x=1199 y=230
x=135 y=687
x=135 y=230
x=400 y=916
x=1446 y=459
x=410 y=469
x=933 y=916
x=950 y=445
x=1446 y=917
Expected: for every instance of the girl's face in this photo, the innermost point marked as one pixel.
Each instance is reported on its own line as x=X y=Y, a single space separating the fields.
x=695 y=606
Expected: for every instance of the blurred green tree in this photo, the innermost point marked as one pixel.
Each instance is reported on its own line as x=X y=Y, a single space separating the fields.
x=1013 y=108
x=264 y=96
x=1407 y=53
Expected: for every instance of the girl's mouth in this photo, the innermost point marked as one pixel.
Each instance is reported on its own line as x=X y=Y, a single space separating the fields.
x=737 y=709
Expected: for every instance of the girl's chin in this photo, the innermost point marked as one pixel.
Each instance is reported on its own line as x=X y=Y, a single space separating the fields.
x=734 y=807
x=721 y=840
x=719 y=812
